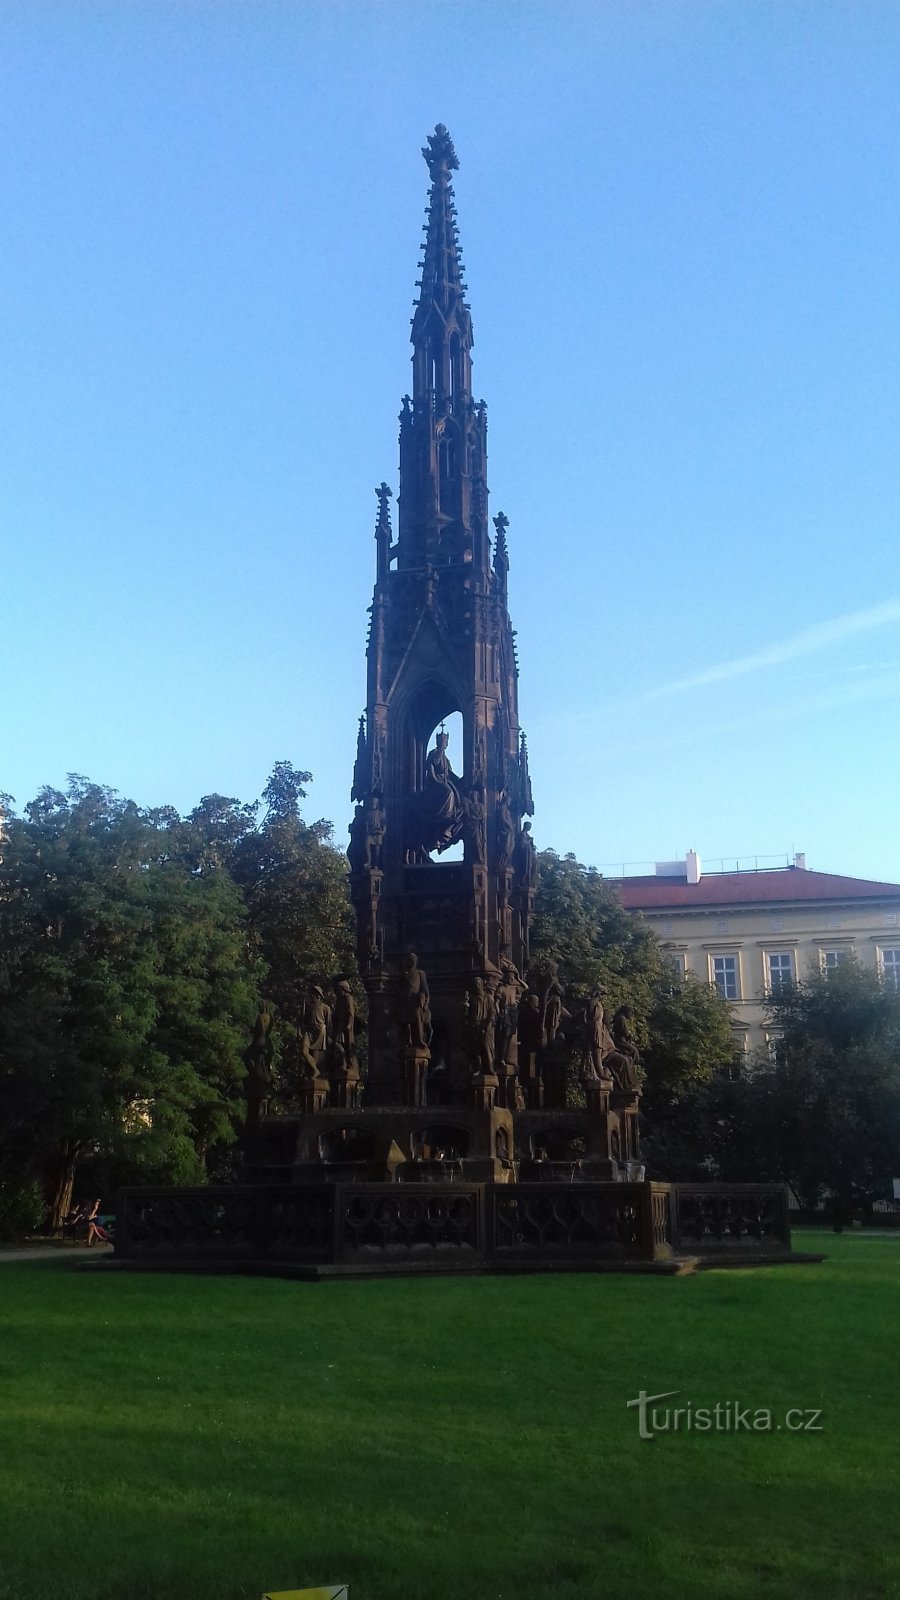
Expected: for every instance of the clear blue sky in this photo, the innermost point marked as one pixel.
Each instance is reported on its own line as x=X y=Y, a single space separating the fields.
x=681 y=224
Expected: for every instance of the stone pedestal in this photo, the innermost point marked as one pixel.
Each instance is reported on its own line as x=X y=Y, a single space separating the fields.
x=415 y=1070
x=343 y=1087
x=484 y=1091
x=490 y=1159
x=313 y=1094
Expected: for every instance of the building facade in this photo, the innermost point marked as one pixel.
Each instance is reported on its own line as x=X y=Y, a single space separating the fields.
x=751 y=932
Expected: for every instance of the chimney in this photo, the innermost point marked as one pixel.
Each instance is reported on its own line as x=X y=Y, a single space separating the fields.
x=693 y=867
x=800 y=860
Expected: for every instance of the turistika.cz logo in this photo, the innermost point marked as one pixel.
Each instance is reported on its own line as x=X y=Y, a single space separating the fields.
x=727 y=1416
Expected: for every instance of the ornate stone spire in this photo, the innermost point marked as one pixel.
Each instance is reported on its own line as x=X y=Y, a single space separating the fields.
x=501 y=550
x=360 y=766
x=441 y=285
x=442 y=325
x=383 y=533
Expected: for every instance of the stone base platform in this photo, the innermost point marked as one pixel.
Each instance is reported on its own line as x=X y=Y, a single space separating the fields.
x=359 y=1229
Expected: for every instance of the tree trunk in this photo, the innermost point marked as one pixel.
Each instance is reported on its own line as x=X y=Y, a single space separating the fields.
x=61 y=1183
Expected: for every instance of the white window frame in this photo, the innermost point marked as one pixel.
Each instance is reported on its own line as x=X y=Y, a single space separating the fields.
x=890 y=969
x=842 y=954
x=723 y=956
x=783 y=982
x=774 y=1045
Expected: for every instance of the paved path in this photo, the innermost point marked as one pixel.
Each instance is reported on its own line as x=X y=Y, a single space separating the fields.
x=55 y=1252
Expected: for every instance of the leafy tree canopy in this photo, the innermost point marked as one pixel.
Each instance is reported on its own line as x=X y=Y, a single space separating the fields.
x=134 y=947
x=684 y=1028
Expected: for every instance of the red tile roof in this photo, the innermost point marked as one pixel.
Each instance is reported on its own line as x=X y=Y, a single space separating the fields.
x=748 y=888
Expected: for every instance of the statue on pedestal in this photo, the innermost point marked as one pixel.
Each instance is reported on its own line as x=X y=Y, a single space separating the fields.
x=626 y=1062
x=598 y=1044
x=480 y=1026
x=436 y=811
x=415 y=1005
x=259 y=1058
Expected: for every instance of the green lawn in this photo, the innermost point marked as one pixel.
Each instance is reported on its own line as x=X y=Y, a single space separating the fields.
x=207 y=1438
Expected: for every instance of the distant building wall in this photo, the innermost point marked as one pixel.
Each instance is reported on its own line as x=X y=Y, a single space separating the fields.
x=749 y=932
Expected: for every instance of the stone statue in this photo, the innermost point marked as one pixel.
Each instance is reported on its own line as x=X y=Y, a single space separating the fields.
x=438 y=807
x=415 y=1005
x=315 y=1030
x=259 y=1058
x=554 y=1011
x=532 y=1035
x=366 y=835
x=343 y=1018
x=598 y=1044
x=627 y=1058
x=506 y=834
x=474 y=825
x=509 y=992
x=479 y=1026
x=357 y=850
x=527 y=857
x=375 y=824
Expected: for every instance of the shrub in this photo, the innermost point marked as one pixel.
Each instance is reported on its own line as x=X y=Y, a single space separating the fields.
x=21 y=1208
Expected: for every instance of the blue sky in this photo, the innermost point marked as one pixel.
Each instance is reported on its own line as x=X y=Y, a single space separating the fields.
x=681 y=226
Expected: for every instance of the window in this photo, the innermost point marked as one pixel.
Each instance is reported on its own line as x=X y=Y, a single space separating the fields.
x=780 y=974
x=832 y=959
x=776 y=1048
x=725 y=976
x=890 y=967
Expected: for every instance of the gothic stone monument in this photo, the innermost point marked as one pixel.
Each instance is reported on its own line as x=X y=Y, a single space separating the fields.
x=463 y=1153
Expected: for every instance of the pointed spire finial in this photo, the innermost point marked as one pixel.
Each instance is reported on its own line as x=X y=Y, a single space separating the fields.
x=358 y=789
x=383 y=532
x=501 y=551
x=439 y=152
x=384 y=493
x=441 y=280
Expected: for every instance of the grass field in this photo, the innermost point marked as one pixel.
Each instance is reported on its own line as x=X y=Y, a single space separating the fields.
x=207 y=1438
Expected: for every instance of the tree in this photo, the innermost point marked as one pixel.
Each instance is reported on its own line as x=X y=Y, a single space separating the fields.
x=296 y=892
x=824 y=1115
x=127 y=988
x=684 y=1028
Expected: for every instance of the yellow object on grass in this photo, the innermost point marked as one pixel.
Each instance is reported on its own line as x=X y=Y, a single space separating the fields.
x=331 y=1591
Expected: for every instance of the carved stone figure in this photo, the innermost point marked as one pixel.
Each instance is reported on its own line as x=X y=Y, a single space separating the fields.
x=598 y=1044
x=259 y=1058
x=623 y=1034
x=625 y=1061
x=415 y=1004
x=506 y=834
x=315 y=1030
x=474 y=825
x=532 y=1034
x=527 y=857
x=509 y=992
x=357 y=850
x=555 y=1012
x=375 y=823
x=436 y=812
x=480 y=1020
x=343 y=1018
